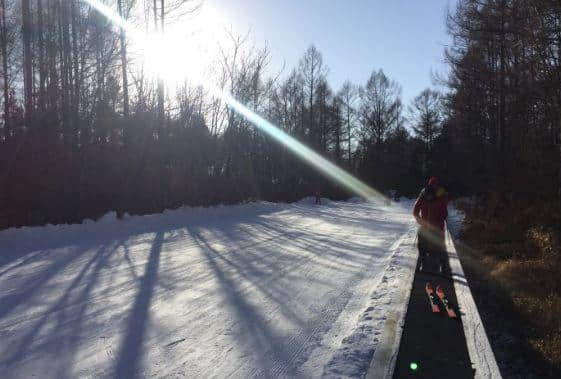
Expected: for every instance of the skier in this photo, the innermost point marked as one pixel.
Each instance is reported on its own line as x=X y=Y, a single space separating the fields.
x=430 y=211
x=317 y=195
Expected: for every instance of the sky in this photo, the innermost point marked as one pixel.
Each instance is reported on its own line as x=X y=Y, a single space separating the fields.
x=405 y=38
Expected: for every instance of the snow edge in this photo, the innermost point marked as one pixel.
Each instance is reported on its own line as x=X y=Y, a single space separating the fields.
x=477 y=341
x=382 y=364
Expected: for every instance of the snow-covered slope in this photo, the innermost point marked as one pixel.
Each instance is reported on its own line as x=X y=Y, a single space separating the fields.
x=252 y=290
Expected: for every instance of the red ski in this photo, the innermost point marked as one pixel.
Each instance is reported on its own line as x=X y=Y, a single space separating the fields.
x=444 y=300
x=432 y=298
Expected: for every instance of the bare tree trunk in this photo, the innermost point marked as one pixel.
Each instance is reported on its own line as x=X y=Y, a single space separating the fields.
x=65 y=71
x=41 y=48
x=502 y=102
x=27 y=56
x=338 y=132
x=99 y=66
x=5 y=77
x=76 y=53
x=124 y=63
x=349 y=137
x=558 y=16
x=52 y=91
x=160 y=91
x=162 y=2
x=559 y=142
x=155 y=15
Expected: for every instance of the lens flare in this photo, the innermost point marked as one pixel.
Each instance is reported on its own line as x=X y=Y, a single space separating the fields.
x=304 y=152
x=112 y=16
x=309 y=156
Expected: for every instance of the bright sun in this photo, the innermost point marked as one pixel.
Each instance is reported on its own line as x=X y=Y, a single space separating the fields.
x=186 y=49
x=171 y=57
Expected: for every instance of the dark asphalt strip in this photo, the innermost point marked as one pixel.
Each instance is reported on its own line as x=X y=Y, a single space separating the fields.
x=432 y=344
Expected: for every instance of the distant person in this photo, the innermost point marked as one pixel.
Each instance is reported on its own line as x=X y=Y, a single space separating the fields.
x=318 y=197
x=430 y=211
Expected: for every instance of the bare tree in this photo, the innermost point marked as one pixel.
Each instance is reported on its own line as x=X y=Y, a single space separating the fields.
x=313 y=72
x=348 y=95
x=426 y=116
x=379 y=99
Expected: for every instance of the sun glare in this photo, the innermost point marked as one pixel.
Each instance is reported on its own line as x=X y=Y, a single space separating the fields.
x=186 y=48
x=168 y=57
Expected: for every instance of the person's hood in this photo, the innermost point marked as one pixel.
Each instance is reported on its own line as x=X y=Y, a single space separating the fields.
x=433 y=182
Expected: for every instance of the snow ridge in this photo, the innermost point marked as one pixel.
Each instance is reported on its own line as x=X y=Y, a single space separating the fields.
x=375 y=340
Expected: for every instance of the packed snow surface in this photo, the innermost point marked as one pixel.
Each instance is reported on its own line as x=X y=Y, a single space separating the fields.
x=255 y=290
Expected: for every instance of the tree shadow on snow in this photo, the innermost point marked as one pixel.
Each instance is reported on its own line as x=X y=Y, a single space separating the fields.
x=62 y=339
x=263 y=251
x=255 y=325
x=131 y=350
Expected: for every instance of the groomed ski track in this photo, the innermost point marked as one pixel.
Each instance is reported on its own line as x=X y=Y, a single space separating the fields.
x=256 y=290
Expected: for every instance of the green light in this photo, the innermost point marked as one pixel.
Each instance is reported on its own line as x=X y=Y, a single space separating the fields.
x=413 y=366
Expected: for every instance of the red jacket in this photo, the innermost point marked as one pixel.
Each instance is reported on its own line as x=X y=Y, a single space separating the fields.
x=431 y=207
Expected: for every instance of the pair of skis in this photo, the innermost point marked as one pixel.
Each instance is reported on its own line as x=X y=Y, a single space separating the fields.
x=435 y=296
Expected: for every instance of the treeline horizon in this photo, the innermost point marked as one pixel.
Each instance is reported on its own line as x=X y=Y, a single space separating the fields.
x=83 y=134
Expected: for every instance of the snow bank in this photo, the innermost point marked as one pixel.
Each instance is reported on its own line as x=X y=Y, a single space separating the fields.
x=373 y=345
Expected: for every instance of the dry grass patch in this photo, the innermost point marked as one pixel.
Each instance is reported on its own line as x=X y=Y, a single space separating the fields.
x=521 y=252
